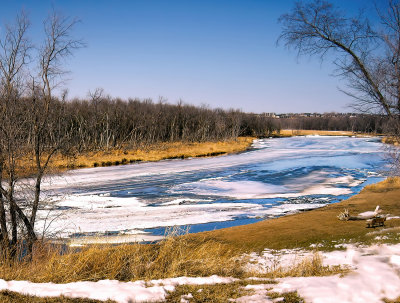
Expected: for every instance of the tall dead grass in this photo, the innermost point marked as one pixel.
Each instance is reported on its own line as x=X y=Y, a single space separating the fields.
x=154 y=152
x=128 y=155
x=172 y=257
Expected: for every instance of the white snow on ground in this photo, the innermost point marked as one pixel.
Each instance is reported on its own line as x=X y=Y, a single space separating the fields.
x=121 y=292
x=375 y=275
x=260 y=294
x=271 y=260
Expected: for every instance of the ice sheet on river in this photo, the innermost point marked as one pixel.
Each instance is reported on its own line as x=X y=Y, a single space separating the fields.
x=276 y=177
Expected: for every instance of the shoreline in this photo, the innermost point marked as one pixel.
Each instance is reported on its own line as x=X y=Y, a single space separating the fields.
x=245 y=230
x=319 y=227
x=152 y=153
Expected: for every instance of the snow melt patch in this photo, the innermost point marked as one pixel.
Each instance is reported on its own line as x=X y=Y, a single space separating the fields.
x=271 y=260
x=121 y=292
x=375 y=276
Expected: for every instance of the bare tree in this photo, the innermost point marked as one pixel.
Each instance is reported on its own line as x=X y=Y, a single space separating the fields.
x=30 y=123
x=14 y=48
x=57 y=46
x=366 y=56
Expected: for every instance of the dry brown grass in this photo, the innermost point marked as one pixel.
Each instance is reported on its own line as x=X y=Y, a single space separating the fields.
x=217 y=293
x=172 y=257
x=221 y=293
x=390 y=140
x=155 y=152
x=121 y=156
x=388 y=184
x=288 y=297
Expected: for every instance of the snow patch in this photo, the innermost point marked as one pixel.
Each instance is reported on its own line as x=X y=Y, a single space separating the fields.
x=121 y=292
x=375 y=275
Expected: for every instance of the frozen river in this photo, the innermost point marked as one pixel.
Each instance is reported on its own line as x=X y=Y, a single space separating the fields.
x=276 y=177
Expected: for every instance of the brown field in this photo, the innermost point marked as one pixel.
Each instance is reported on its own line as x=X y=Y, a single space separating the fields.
x=13 y=297
x=122 y=156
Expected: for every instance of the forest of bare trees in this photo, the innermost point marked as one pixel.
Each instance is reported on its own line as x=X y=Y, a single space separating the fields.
x=103 y=122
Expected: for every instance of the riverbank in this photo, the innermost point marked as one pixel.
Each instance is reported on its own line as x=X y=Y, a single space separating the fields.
x=320 y=227
x=155 y=152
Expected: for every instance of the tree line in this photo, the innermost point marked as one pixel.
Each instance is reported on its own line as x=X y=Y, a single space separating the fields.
x=364 y=123
x=102 y=122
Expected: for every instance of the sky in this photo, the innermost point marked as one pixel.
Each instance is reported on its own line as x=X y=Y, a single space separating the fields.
x=218 y=53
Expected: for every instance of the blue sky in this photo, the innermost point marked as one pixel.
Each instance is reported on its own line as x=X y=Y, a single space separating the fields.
x=217 y=53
